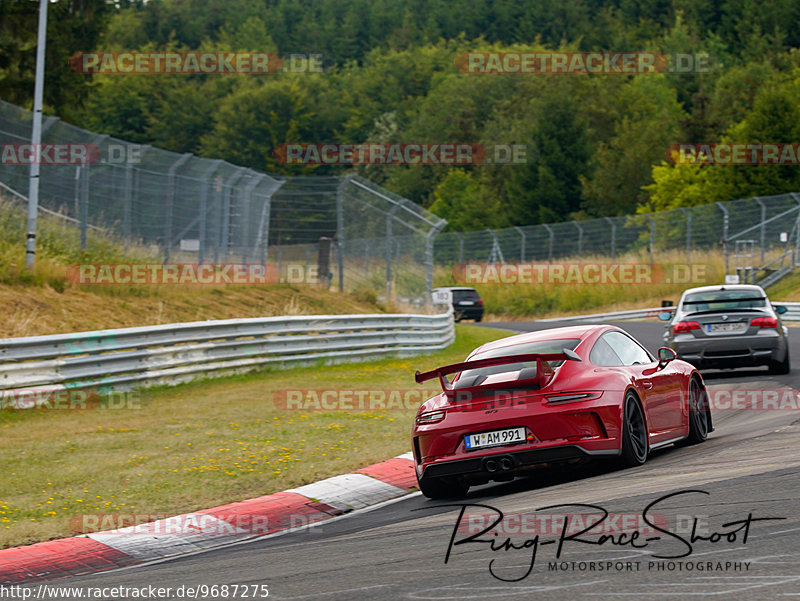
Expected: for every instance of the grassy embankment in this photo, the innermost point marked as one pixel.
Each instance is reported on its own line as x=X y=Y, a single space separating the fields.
x=44 y=301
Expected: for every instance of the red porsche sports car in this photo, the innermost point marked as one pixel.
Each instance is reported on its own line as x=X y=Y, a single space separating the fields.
x=553 y=396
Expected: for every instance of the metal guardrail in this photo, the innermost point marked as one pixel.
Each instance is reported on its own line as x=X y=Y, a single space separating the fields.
x=166 y=354
x=793 y=314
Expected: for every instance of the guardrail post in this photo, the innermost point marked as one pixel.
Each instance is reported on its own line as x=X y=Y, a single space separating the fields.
x=550 y=243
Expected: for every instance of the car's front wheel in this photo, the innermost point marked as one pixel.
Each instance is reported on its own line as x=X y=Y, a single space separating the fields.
x=443 y=488
x=634 y=433
x=699 y=413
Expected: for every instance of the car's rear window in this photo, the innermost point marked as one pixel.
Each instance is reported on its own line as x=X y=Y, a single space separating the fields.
x=724 y=300
x=465 y=295
x=539 y=347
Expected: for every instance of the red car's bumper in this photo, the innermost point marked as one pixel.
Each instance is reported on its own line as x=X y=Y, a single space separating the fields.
x=555 y=432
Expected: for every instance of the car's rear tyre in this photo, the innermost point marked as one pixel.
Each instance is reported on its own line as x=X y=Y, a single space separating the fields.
x=443 y=488
x=699 y=413
x=477 y=319
x=634 y=433
x=780 y=367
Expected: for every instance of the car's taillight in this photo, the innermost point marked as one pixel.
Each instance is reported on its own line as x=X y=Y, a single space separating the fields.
x=685 y=326
x=573 y=397
x=480 y=303
x=430 y=417
x=765 y=322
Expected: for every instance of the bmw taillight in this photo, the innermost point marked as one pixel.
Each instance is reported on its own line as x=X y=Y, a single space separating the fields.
x=765 y=322
x=480 y=303
x=685 y=326
x=430 y=417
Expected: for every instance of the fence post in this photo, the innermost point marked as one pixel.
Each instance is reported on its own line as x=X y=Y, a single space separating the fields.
x=84 y=203
x=652 y=235
x=763 y=225
x=688 y=215
x=340 y=228
x=226 y=207
x=580 y=238
x=263 y=227
x=796 y=198
x=432 y=233
x=550 y=244
x=613 y=237
x=521 y=244
x=127 y=208
x=460 y=248
x=171 y=204
x=207 y=183
x=388 y=251
x=248 y=198
x=724 y=234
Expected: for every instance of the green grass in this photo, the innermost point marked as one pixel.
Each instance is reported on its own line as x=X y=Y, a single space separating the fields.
x=515 y=300
x=197 y=445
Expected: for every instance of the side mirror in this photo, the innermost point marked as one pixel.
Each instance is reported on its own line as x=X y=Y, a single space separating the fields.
x=665 y=315
x=666 y=354
x=780 y=309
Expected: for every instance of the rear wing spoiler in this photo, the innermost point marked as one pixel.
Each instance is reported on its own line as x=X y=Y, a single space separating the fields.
x=544 y=372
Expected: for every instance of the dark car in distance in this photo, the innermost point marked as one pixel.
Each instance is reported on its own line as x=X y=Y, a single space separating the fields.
x=467 y=303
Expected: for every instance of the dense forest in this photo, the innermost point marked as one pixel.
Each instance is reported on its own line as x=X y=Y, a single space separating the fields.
x=595 y=143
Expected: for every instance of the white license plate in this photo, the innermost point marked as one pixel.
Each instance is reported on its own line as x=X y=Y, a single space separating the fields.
x=493 y=439
x=717 y=328
x=466 y=302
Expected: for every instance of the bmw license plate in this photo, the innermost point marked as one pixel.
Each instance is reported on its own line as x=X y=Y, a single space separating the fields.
x=493 y=439
x=464 y=303
x=729 y=328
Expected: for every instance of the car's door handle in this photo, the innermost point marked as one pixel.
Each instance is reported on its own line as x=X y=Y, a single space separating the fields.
x=647 y=384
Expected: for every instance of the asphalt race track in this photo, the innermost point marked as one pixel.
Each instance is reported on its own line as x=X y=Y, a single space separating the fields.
x=749 y=467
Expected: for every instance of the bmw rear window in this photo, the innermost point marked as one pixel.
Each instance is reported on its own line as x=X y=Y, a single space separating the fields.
x=724 y=300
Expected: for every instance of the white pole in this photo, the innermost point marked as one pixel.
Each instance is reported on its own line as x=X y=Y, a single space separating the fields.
x=36 y=138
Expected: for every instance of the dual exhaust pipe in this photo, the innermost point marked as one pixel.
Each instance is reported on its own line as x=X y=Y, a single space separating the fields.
x=498 y=464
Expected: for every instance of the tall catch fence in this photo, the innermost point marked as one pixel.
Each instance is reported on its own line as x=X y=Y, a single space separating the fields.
x=349 y=233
